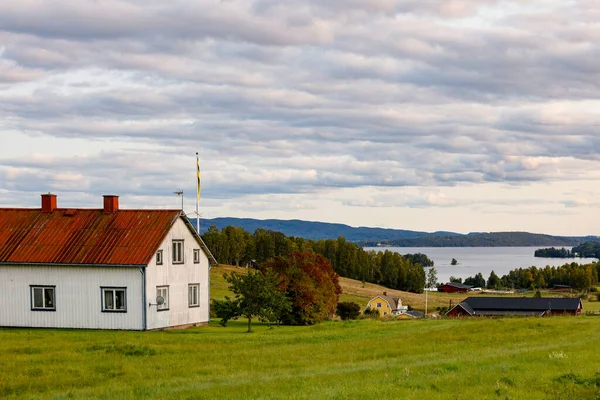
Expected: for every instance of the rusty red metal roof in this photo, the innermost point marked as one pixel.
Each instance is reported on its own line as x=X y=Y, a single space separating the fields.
x=82 y=236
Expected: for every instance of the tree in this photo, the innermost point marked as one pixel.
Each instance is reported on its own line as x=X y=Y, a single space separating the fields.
x=455 y=279
x=477 y=281
x=237 y=245
x=493 y=281
x=453 y=262
x=309 y=283
x=431 y=279
x=256 y=295
x=348 y=310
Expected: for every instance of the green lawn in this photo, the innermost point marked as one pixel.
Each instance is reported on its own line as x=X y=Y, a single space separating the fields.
x=511 y=358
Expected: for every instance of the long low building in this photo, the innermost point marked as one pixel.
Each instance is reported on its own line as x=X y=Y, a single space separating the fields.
x=515 y=306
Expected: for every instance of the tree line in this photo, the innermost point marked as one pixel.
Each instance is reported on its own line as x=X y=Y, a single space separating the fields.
x=578 y=276
x=235 y=246
x=587 y=249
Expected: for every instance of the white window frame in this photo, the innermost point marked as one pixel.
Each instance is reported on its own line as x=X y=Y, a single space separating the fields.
x=163 y=291
x=159 y=257
x=196 y=256
x=178 y=251
x=112 y=292
x=379 y=305
x=191 y=288
x=42 y=289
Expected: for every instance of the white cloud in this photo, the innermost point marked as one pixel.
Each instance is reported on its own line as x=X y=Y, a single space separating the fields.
x=338 y=110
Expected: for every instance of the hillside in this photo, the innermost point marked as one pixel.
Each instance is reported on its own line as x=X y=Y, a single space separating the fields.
x=370 y=237
x=492 y=239
x=316 y=230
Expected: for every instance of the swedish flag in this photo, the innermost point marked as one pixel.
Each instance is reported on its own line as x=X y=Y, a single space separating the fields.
x=198 y=171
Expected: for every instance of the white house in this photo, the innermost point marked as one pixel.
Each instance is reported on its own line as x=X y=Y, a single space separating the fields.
x=102 y=268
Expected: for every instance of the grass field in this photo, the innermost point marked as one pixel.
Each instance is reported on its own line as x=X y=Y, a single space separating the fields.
x=508 y=358
x=511 y=358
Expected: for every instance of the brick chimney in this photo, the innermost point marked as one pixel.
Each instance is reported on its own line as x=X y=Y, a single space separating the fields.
x=48 y=203
x=385 y=293
x=111 y=204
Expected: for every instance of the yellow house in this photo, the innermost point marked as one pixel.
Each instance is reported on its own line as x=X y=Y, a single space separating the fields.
x=387 y=305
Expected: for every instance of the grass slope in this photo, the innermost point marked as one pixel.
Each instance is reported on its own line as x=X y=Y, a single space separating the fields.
x=520 y=358
x=355 y=291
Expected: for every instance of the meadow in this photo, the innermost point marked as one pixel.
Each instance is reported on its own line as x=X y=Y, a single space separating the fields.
x=510 y=358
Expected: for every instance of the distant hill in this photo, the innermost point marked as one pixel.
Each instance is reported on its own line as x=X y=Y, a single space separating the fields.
x=365 y=236
x=492 y=239
x=316 y=230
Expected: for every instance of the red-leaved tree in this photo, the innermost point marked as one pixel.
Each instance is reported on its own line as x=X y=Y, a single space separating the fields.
x=309 y=282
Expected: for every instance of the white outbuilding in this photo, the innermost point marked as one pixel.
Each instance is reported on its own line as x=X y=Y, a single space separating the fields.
x=102 y=268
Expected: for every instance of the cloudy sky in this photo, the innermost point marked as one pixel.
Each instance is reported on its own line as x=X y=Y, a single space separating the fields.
x=428 y=115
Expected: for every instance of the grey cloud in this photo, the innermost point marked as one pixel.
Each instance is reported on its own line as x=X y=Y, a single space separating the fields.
x=284 y=100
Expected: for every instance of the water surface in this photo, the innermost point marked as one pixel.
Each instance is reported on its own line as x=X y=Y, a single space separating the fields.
x=472 y=260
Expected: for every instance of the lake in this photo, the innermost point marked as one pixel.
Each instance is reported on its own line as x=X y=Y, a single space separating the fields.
x=472 y=260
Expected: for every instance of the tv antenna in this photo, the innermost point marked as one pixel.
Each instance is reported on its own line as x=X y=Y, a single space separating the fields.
x=180 y=193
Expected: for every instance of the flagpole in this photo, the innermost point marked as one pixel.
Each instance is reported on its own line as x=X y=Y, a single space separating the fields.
x=198 y=196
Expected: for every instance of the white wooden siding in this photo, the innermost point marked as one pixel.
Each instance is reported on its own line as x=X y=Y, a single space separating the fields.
x=77 y=297
x=178 y=277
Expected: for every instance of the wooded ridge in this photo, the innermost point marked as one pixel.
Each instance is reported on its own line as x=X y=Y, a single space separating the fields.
x=371 y=237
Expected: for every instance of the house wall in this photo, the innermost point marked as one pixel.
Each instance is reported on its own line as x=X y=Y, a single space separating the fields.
x=77 y=297
x=385 y=307
x=457 y=311
x=178 y=277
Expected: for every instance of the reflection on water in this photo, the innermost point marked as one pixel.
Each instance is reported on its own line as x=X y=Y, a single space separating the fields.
x=472 y=260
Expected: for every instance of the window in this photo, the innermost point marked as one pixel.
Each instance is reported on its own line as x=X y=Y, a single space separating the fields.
x=163 y=291
x=159 y=257
x=177 y=251
x=196 y=256
x=114 y=299
x=194 y=295
x=378 y=305
x=42 y=298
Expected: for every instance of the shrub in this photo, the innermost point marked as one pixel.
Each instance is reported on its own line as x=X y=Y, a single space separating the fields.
x=593 y=289
x=347 y=310
x=224 y=309
x=371 y=313
x=537 y=294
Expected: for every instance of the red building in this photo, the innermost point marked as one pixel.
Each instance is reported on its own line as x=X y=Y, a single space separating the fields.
x=454 y=287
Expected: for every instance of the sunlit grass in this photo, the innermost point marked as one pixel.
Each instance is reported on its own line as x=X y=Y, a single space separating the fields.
x=516 y=358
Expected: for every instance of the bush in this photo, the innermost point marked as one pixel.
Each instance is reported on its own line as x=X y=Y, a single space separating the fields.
x=593 y=289
x=371 y=313
x=537 y=295
x=224 y=309
x=347 y=310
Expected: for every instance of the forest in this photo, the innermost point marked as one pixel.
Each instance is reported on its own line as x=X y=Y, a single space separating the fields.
x=578 y=276
x=586 y=250
x=236 y=246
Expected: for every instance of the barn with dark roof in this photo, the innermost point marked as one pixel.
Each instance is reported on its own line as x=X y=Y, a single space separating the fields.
x=515 y=306
x=454 y=287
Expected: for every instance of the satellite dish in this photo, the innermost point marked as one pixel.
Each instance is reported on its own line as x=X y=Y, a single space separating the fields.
x=160 y=300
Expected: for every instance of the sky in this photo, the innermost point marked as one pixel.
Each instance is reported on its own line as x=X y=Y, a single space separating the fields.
x=456 y=115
